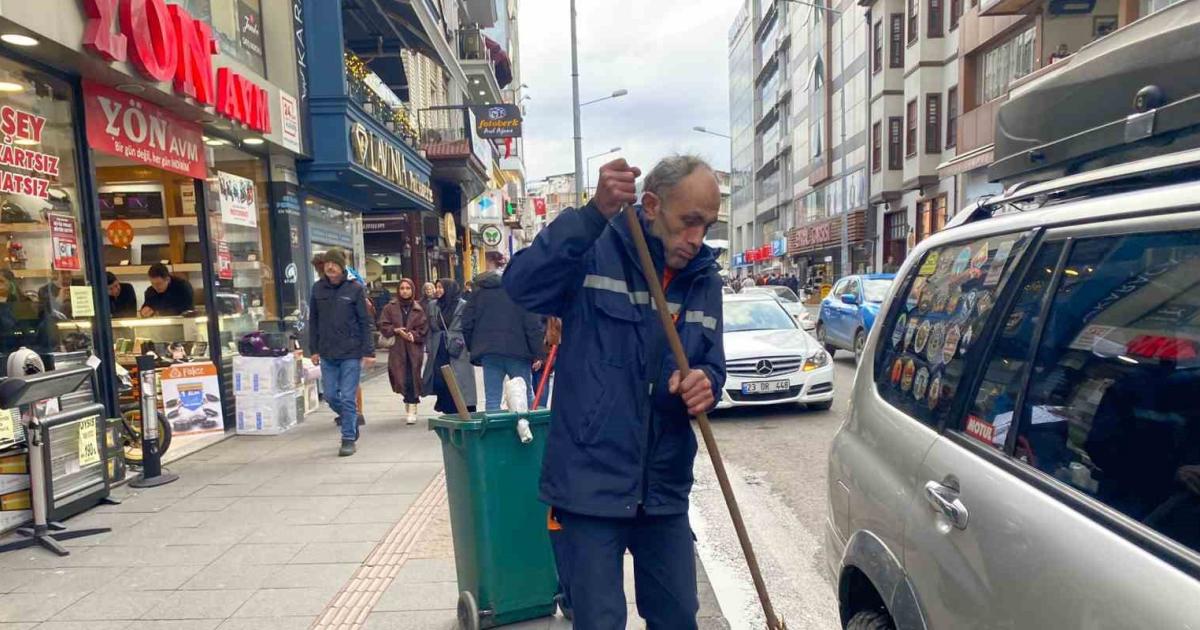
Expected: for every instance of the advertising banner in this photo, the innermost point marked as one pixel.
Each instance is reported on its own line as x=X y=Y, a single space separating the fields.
x=238 y=205
x=192 y=398
x=64 y=243
x=224 y=261
x=485 y=209
x=126 y=126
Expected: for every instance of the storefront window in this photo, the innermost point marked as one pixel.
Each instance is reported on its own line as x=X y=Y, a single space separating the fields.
x=331 y=225
x=243 y=289
x=45 y=301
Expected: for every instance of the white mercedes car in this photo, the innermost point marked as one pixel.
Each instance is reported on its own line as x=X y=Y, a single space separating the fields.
x=769 y=360
x=791 y=303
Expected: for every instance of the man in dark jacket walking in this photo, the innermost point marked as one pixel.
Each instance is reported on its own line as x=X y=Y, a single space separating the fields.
x=618 y=464
x=501 y=336
x=340 y=334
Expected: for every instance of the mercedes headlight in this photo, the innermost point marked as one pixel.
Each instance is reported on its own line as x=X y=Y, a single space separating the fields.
x=818 y=360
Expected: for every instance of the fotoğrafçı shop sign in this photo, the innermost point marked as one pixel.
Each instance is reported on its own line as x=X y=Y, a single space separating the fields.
x=126 y=126
x=165 y=43
x=238 y=206
x=21 y=127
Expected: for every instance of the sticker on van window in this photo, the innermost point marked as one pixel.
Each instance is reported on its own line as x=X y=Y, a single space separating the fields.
x=906 y=378
x=898 y=331
x=953 y=300
x=980 y=257
x=968 y=303
x=967 y=337
x=935 y=391
x=950 y=346
x=941 y=300
x=937 y=339
x=897 y=370
x=922 y=336
x=985 y=304
x=998 y=260
x=926 y=304
x=914 y=296
x=962 y=261
x=920 y=383
x=910 y=332
x=930 y=265
x=980 y=429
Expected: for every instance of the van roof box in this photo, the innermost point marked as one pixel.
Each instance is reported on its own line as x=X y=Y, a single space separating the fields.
x=1131 y=95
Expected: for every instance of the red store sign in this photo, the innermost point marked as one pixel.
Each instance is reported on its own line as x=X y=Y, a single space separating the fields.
x=126 y=126
x=165 y=43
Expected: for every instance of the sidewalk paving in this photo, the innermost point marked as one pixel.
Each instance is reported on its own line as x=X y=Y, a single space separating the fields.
x=270 y=533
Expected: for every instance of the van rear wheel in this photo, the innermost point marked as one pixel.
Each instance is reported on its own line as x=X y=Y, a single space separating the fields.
x=871 y=620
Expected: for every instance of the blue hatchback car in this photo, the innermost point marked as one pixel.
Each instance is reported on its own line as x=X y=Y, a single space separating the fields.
x=848 y=312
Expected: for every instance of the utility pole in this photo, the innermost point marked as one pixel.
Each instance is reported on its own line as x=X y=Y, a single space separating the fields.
x=575 y=103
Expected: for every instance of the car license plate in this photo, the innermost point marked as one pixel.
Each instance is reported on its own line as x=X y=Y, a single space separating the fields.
x=765 y=387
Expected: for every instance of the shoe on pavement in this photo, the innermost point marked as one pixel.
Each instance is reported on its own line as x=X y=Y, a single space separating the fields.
x=347 y=448
x=412 y=414
x=361 y=420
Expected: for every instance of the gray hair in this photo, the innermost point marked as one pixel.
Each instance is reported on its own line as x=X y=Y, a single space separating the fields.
x=669 y=171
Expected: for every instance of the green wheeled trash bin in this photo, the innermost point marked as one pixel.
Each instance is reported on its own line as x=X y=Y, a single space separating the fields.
x=502 y=552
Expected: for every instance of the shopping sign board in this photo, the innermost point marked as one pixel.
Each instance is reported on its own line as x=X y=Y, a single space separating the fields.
x=165 y=43
x=126 y=126
x=491 y=235
x=501 y=120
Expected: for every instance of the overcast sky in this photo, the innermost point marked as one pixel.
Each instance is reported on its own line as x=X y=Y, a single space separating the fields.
x=672 y=56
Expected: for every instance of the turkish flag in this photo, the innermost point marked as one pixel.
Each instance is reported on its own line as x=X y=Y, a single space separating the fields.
x=539 y=206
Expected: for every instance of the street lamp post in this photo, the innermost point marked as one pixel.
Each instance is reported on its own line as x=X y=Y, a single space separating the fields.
x=588 y=172
x=711 y=132
x=846 y=270
x=575 y=104
x=578 y=136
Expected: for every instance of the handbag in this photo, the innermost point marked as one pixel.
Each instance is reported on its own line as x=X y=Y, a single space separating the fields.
x=454 y=345
x=385 y=343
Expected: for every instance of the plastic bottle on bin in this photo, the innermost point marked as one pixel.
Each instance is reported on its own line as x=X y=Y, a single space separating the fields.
x=517 y=394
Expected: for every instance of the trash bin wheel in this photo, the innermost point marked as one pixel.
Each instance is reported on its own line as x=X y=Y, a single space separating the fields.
x=468 y=611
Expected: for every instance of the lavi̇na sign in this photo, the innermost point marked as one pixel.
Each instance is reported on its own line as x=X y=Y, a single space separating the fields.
x=165 y=43
x=375 y=153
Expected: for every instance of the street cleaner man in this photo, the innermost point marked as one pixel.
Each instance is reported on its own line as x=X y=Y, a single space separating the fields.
x=618 y=465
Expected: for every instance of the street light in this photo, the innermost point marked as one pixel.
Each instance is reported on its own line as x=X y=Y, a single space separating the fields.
x=615 y=94
x=842 y=71
x=588 y=173
x=711 y=132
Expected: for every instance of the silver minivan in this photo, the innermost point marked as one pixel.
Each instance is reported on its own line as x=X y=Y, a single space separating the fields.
x=1023 y=448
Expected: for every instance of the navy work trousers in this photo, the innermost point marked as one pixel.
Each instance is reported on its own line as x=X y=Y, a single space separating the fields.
x=590 y=555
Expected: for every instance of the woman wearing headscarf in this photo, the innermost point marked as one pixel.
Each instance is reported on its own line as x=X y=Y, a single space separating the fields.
x=404 y=320
x=448 y=347
x=428 y=295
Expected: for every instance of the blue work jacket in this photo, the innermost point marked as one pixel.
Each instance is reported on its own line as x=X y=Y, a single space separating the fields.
x=618 y=440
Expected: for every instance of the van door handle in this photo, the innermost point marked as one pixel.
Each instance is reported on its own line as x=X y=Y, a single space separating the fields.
x=945 y=501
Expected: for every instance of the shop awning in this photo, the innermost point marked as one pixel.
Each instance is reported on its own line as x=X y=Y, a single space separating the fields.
x=969 y=161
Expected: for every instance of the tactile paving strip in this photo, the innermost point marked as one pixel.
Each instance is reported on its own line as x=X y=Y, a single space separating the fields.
x=349 y=608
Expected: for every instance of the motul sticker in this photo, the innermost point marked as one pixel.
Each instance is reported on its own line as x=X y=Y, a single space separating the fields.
x=980 y=429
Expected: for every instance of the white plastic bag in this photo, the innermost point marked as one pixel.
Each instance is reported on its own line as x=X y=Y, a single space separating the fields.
x=517 y=394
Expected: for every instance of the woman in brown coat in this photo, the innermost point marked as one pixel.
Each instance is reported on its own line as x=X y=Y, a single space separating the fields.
x=404 y=320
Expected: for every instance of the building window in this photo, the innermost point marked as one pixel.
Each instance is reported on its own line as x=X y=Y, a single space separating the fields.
x=931 y=216
x=895 y=129
x=876 y=147
x=952 y=117
x=956 y=11
x=896 y=40
x=895 y=231
x=1006 y=63
x=877 y=43
x=935 y=27
x=914 y=20
x=933 y=123
x=910 y=130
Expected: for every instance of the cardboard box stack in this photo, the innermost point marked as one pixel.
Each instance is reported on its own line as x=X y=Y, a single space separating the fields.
x=266 y=389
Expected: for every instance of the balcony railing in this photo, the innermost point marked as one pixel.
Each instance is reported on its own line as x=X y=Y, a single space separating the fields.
x=472 y=46
x=448 y=132
x=393 y=115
